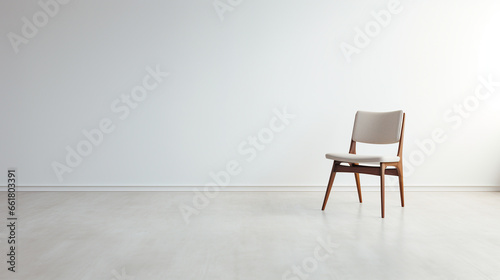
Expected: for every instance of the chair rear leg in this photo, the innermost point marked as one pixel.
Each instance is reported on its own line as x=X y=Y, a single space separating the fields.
x=358 y=185
x=401 y=185
x=329 y=188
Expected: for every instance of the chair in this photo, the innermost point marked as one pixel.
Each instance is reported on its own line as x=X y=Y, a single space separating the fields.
x=372 y=128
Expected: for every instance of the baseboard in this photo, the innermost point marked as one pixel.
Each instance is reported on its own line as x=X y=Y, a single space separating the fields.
x=250 y=188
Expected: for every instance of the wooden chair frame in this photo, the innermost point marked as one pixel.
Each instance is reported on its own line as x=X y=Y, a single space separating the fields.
x=371 y=170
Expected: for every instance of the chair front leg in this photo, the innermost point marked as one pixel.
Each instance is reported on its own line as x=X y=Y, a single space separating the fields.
x=382 y=187
x=330 y=184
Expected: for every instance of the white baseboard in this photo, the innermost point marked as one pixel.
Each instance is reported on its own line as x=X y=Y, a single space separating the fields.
x=250 y=189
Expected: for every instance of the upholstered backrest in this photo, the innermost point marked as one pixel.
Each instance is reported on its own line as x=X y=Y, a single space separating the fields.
x=377 y=127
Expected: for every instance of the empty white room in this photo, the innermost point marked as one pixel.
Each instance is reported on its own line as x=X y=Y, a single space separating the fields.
x=235 y=139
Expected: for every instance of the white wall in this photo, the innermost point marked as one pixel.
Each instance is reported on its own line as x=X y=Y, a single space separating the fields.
x=227 y=78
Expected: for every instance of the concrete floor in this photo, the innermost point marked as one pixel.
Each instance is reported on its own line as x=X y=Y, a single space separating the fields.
x=254 y=235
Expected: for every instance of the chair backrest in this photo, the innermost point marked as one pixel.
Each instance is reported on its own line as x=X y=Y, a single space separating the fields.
x=377 y=127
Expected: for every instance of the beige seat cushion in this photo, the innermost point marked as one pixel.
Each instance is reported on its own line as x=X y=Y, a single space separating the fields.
x=352 y=158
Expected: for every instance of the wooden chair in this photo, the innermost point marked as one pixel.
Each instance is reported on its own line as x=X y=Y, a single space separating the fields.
x=372 y=128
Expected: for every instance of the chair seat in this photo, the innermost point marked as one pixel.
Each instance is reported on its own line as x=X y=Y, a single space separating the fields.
x=353 y=158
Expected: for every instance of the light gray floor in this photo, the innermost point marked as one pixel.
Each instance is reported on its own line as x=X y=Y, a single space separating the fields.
x=254 y=235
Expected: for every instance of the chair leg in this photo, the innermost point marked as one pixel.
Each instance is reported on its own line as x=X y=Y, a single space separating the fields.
x=358 y=185
x=329 y=188
x=401 y=185
x=382 y=187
